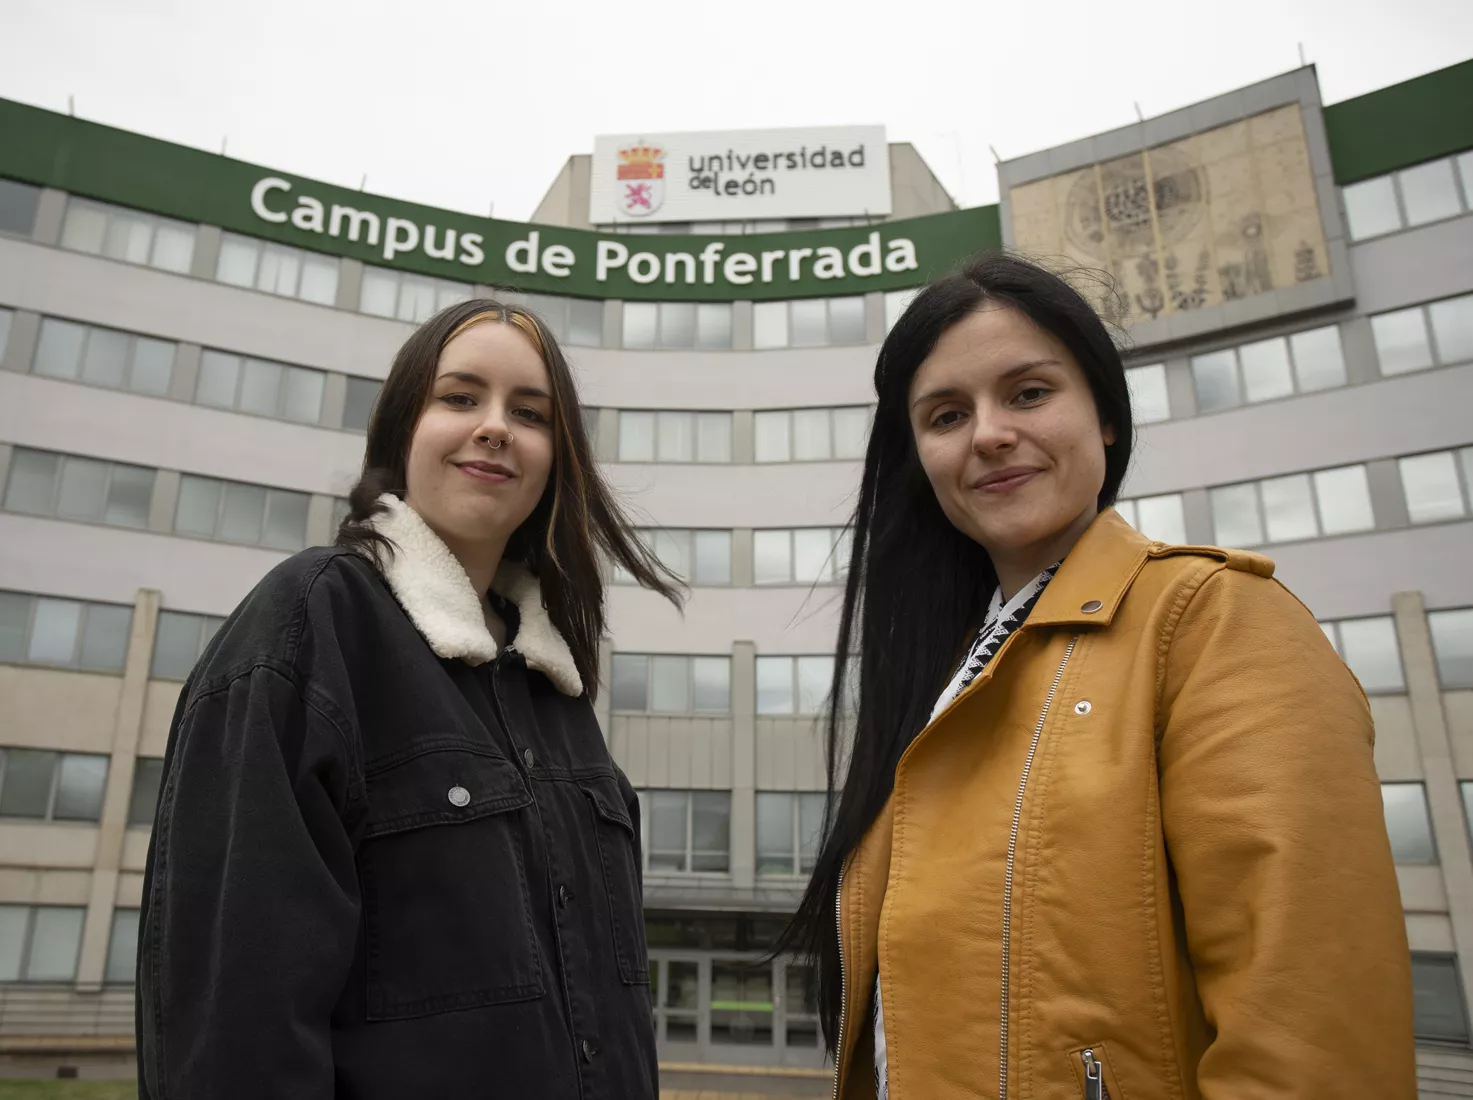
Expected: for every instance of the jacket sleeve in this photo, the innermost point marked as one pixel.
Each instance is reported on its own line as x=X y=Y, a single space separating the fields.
x=1273 y=822
x=250 y=909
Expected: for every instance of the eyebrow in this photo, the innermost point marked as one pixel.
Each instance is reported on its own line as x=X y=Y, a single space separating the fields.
x=472 y=379
x=1007 y=375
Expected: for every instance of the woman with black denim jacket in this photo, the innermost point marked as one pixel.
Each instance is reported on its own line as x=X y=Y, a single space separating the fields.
x=393 y=857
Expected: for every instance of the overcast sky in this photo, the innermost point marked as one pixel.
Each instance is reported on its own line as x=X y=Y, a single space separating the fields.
x=464 y=104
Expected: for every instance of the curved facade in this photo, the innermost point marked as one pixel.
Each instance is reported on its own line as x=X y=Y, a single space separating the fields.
x=182 y=401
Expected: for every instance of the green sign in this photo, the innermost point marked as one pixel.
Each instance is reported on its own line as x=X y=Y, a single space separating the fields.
x=117 y=166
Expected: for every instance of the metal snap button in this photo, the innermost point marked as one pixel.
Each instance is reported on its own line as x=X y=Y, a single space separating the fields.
x=1082 y=707
x=527 y=757
x=589 y=1050
x=564 y=896
x=459 y=796
x=1091 y=607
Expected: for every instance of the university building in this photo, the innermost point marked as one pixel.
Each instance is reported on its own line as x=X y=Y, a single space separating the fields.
x=191 y=346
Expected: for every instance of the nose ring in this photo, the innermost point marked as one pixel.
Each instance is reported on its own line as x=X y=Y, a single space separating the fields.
x=497 y=446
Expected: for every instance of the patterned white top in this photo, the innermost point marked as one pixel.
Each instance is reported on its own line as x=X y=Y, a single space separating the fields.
x=1001 y=620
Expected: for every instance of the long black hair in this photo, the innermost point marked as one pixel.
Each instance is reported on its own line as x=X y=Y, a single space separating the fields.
x=577 y=517
x=915 y=582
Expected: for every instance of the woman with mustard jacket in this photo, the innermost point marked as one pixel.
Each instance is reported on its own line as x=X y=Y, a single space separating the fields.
x=1110 y=825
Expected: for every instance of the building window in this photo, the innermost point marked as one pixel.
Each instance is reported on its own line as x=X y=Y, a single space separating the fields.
x=808 y=323
x=703 y=325
x=40 y=943
x=1266 y=370
x=148 y=777
x=741 y=1004
x=897 y=302
x=66 y=633
x=358 y=406
x=1414 y=196
x=104 y=357
x=51 y=786
x=575 y=321
x=804 y=555
x=18 y=203
x=1161 y=518
x=259 y=386
x=122 y=948
x=793 y=685
x=682 y=684
x=129 y=235
x=1407 y=823
x=1452 y=642
x=788 y=828
x=1288 y=509
x=408 y=297
x=1149 y=401
x=43 y=483
x=277 y=269
x=811 y=435
x=1369 y=647
x=686 y=830
x=233 y=511
x=697 y=557
x=1436 y=485
x=1437 y=334
x=671 y=436
x=179 y=641
x=1439 y=1014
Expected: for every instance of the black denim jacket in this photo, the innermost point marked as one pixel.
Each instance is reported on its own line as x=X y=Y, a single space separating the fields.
x=380 y=873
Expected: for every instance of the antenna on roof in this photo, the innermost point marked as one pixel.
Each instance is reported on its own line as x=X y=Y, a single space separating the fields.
x=1302 y=62
x=995 y=158
x=71 y=106
x=363 y=182
x=1138 y=114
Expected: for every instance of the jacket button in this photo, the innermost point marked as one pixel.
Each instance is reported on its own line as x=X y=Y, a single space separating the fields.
x=527 y=757
x=590 y=1050
x=1082 y=707
x=1091 y=607
x=459 y=796
x=564 y=896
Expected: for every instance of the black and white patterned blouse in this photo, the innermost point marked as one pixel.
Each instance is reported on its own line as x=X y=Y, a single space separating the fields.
x=1001 y=620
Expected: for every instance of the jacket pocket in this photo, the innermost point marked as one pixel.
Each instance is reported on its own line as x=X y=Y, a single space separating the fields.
x=618 y=851
x=1091 y=1068
x=447 y=920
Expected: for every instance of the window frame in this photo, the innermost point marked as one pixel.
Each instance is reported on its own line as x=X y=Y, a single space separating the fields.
x=58 y=476
x=690 y=682
x=272 y=494
x=795 y=802
x=831 y=412
x=795 y=685
x=1333 y=632
x=154 y=222
x=1462 y=195
x=242 y=361
x=28 y=941
x=698 y=417
x=841 y=545
x=1317 y=508
x=1462 y=464
x=202 y=641
x=441 y=288
x=53 y=792
x=1436 y=356
x=1435 y=617
x=701 y=329
x=130 y=357
x=688 y=858
x=1434 y=859
x=303 y=256
x=79 y=640
x=1239 y=379
x=647 y=536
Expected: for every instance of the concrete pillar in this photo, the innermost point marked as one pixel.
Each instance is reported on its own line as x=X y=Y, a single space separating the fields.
x=113 y=826
x=744 y=766
x=185 y=378
x=207 y=241
x=743 y=437
x=606 y=446
x=1359 y=348
x=1196 y=508
x=741 y=326
x=20 y=348
x=1388 y=499
x=165 y=501
x=5 y=452
x=1444 y=801
x=350 y=284
x=50 y=213
x=743 y=569
x=320 y=530
x=874 y=317
x=614 y=323
x=334 y=400
x=1181 y=391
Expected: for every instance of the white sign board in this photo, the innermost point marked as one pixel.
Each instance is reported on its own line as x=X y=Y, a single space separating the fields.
x=740 y=175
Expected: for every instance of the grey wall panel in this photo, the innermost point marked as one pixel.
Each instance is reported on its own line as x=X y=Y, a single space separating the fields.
x=1414 y=266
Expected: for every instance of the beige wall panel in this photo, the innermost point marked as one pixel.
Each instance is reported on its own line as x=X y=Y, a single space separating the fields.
x=158 y=712
x=55 y=709
x=629 y=745
x=46 y=845
x=678 y=757
x=135 y=849
x=1458 y=706
x=1429 y=932
x=700 y=742
x=1422 y=890
x=657 y=767
x=22 y=887
x=130 y=891
x=1396 y=739
x=723 y=768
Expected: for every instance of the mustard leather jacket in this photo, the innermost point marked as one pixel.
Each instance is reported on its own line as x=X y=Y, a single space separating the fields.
x=1142 y=856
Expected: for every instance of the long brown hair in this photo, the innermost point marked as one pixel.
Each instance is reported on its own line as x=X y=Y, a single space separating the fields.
x=577 y=516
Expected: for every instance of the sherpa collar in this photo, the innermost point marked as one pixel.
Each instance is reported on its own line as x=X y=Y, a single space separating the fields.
x=433 y=589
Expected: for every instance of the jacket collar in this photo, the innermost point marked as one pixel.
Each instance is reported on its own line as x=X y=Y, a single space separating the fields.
x=432 y=587
x=1096 y=574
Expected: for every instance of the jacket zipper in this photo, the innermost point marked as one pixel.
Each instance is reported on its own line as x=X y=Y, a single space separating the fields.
x=1094 y=1077
x=1007 y=888
x=843 y=982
